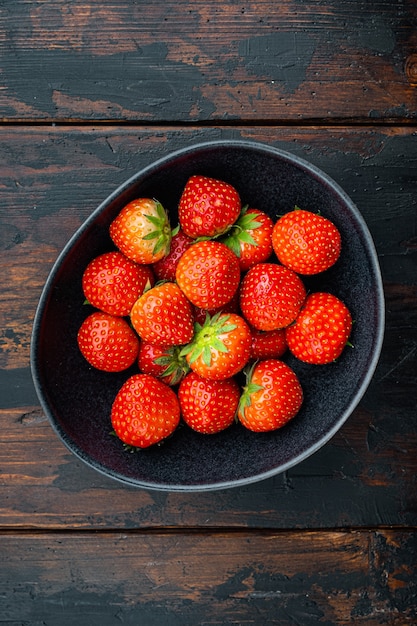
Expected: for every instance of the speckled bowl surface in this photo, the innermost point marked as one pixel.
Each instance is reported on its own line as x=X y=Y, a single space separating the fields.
x=77 y=399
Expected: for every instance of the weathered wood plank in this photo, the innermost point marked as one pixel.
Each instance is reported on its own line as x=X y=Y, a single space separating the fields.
x=308 y=578
x=166 y=60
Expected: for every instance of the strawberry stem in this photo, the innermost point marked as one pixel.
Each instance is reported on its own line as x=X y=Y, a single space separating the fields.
x=175 y=365
x=162 y=232
x=249 y=389
x=207 y=338
x=239 y=232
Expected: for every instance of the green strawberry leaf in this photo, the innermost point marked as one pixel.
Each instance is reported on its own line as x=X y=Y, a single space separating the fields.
x=248 y=222
x=233 y=244
x=249 y=389
x=162 y=232
x=246 y=237
x=152 y=235
x=240 y=231
x=206 y=355
x=206 y=338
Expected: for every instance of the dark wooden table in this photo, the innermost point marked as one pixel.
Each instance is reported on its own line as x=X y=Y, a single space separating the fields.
x=89 y=94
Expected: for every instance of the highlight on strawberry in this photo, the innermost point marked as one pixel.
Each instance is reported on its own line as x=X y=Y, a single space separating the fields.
x=142 y=231
x=208 y=207
x=203 y=315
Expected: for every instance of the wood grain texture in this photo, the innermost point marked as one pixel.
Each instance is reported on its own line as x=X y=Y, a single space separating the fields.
x=167 y=61
x=332 y=579
x=52 y=179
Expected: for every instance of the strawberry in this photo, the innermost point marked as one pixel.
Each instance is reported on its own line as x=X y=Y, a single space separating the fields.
x=107 y=342
x=207 y=207
x=271 y=398
x=220 y=347
x=321 y=330
x=271 y=296
x=208 y=406
x=163 y=315
x=164 y=363
x=145 y=411
x=230 y=307
x=251 y=237
x=208 y=274
x=112 y=283
x=269 y=344
x=306 y=242
x=142 y=231
x=165 y=268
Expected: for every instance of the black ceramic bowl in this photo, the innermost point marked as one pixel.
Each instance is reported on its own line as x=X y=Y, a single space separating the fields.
x=77 y=399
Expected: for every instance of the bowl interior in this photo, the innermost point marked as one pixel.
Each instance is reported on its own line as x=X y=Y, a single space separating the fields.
x=77 y=398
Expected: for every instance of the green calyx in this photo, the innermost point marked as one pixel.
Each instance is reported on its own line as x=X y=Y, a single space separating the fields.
x=162 y=232
x=175 y=364
x=240 y=231
x=207 y=338
x=249 y=389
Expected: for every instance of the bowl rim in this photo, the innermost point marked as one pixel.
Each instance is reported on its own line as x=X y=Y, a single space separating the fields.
x=144 y=172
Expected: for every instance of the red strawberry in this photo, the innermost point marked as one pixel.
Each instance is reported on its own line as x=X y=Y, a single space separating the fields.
x=271 y=397
x=220 y=348
x=208 y=406
x=208 y=207
x=306 y=242
x=208 y=273
x=107 y=342
x=164 y=363
x=321 y=330
x=163 y=315
x=112 y=283
x=269 y=344
x=165 y=268
x=251 y=237
x=271 y=296
x=142 y=231
x=230 y=307
x=145 y=411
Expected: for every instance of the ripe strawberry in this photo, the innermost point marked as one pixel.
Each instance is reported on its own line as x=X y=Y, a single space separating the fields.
x=321 y=330
x=208 y=273
x=208 y=207
x=271 y=296
x=220 y=348
x=306 y=242
x=251 y=237
x=269 y=344
x=142 y=231
x=271 y=397
x=145 y=411
x=112 y=283
x=165 y=268
x=208 y=406
x=107 y=342
x=163 y=315
x=230 y=307
x=164 y=363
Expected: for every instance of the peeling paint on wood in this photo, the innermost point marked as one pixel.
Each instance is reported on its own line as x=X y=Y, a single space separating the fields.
x=261 y=579
x=167 y=61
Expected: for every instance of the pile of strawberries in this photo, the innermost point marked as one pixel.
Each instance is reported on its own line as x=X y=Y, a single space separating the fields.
x=206 y=311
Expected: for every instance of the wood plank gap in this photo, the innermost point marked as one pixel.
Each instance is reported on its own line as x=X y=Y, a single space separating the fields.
x=230 y=123
x=201 y=530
